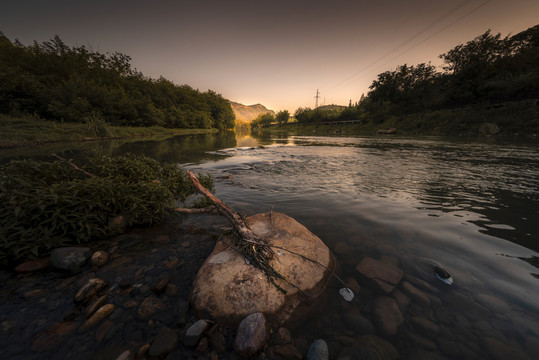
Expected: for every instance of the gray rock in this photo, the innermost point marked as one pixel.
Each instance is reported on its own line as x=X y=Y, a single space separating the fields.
x=251 y=335
x=387 y=315
x=194 y=332
x=165 y=341
x=384 y=276
x=70 y=259
x=318 y=350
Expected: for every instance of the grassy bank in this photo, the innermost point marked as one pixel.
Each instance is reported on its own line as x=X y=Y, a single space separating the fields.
x=512 y=119
x=27 y=131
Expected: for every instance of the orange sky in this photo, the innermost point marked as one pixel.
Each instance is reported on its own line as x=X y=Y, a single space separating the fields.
x=277 y=53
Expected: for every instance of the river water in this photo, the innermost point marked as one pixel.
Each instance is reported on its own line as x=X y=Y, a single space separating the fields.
x=469 y=207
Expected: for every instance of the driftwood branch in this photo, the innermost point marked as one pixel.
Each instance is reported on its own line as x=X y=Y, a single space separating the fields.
x=240 y=225
x=73 y=165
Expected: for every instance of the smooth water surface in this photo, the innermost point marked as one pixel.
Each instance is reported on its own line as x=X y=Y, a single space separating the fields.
x=472 y=208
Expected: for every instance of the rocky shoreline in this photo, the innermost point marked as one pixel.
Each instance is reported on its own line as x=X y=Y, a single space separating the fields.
x=131 y=301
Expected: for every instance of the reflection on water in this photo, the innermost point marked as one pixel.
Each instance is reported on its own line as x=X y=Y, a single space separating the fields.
x=469 y=207
x=180 y=149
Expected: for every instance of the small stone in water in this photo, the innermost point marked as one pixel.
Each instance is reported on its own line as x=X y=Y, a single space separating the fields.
x=247 y=261
x=347 y=294
x=443 y=275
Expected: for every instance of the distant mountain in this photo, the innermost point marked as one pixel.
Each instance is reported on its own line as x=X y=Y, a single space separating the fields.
x=247 y=113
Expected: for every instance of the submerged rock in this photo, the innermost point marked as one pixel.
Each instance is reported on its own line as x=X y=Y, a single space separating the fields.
x=227 y=289
x=318 y=350
x=384 y=275
x=387 y=315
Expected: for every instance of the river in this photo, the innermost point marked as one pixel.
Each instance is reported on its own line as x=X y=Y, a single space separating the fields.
x=470 y=207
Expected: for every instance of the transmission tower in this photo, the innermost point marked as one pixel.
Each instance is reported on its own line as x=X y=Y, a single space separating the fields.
x=317 y=97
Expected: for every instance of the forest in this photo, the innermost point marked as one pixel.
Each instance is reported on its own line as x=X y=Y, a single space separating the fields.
x=487 y=70
x=53 y=81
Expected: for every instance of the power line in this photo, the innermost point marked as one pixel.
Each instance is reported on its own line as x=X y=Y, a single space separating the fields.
x=354 y=76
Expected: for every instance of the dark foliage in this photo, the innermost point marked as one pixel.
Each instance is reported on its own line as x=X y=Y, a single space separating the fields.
x=56 y=82
x=44 y=205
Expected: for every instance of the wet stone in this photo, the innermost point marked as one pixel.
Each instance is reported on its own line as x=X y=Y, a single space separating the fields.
x=385 y=276
x=415 y=294
x=92 y=288
x=165 y=341
x=34 y=265
x=70 y=259
x=160 y=285
x=96 y=304
x=358 y=323
x=387 y=315
x=114 y=352
x=218 y=341
x=99 y=258
x=97 y=317
x=202 y=346
x=171 y=289
x=281 y=337
x=251 y=335
x=425 y=326
x=421 y=341
x=402 y=300
x=318 y=350
x=149 y=307
x=194 y=333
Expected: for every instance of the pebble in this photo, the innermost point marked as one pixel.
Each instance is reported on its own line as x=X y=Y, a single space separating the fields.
x=96 y=304
x=281 y=337
x=218 y=341
x=171 y=289
x=165 y=341
x=89 y=290
x=141 y=352
x=202 y=346
x=251 y=335
x=97 y=317
x=501 y=351
x=401 y=299
x=149 y=307
x=194 y=333
x=318 y=350
x=103 y=329
x=34 y=265
x=99 y=258
x=160 y=285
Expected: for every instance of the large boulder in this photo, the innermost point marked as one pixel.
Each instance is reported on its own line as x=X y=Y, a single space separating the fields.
x=227 y=289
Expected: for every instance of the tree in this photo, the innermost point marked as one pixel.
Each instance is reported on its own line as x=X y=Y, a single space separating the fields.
x=282 y=116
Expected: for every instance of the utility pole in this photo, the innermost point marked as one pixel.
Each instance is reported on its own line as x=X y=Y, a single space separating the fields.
x=317 y=97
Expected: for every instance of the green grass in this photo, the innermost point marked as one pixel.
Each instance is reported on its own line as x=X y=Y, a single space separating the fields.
x=28 y=131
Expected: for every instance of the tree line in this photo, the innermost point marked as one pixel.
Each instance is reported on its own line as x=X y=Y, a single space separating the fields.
x=53 y=81
x=489 y=69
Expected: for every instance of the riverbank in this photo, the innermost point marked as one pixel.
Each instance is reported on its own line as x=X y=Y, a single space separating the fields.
x=30 y=131
x=514 y=119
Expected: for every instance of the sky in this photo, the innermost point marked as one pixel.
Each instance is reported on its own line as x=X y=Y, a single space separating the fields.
x=277 y=53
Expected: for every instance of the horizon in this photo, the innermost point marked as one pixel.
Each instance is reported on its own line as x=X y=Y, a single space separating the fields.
x=276 y=54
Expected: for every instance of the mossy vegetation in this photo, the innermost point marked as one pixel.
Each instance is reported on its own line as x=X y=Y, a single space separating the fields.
x=44 y=205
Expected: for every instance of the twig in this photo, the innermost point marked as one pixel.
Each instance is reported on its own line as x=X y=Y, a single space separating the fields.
x=205 y=210
x=73 y=165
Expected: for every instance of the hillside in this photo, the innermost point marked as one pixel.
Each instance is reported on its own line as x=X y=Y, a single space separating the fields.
x=247 y=113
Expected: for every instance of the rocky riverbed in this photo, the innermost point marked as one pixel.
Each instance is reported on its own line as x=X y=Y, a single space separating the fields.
x=131 y=302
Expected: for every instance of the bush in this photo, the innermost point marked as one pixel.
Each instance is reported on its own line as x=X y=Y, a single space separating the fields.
x=44 y=205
